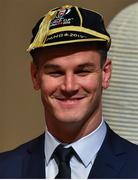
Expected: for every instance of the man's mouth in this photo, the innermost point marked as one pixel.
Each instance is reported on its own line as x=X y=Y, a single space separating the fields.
x=70 y=99
x=69 y=102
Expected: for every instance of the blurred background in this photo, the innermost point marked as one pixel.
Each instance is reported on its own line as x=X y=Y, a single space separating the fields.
x=21 y=111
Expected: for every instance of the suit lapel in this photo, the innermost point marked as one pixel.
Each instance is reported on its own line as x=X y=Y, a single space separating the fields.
x=110 y=158
x=34 y=162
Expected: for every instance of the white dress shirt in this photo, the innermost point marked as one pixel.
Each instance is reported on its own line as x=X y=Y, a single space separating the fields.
x=86 y=148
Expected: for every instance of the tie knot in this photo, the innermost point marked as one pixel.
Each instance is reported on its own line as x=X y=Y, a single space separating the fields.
x=62 y=154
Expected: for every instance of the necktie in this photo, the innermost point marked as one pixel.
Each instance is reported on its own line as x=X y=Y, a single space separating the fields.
x=62 y=157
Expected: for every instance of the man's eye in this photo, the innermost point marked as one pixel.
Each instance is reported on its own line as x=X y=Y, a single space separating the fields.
x=55 y=74
x=83 y=72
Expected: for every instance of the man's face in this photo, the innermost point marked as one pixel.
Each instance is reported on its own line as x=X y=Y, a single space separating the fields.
x=71 y=82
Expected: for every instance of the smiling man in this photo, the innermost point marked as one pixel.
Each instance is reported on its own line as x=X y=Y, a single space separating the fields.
x=71 y=69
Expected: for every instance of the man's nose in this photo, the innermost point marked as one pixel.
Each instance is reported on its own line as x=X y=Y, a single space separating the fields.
x=70 y=83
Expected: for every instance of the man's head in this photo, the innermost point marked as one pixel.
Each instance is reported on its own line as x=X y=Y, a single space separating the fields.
x=71 y=71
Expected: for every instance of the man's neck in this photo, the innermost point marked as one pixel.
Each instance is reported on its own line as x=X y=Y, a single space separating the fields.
x=70 y=132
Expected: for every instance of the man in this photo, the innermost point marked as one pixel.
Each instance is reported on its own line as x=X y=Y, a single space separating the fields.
x=70 y=68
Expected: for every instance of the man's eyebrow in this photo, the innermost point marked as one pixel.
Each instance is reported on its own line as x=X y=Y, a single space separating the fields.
x=51 y=66
x=86 y=65
x=80 y=66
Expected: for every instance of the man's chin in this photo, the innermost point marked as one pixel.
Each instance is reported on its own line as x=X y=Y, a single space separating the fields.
x=66 y=118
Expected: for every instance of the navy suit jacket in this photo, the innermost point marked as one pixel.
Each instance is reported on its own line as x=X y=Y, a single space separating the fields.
x=117 y=158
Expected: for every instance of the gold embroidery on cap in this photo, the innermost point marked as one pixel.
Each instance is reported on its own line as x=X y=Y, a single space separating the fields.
x=42 y=33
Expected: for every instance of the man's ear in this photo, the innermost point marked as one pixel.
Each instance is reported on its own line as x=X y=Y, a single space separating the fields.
x=106 y=75
x=35 y=76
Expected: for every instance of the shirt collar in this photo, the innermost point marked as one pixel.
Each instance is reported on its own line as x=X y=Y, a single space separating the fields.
x=89 y=144
x=50 y=145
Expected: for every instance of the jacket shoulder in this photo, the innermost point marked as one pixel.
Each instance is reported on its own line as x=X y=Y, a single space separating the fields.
x=127 y=153
x=118 y=142
x=11 y=161
x=22 y=148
